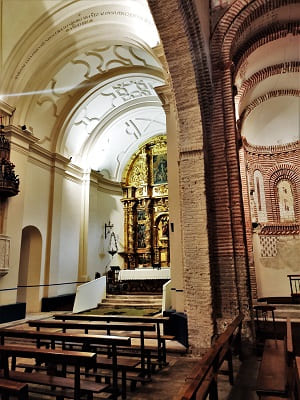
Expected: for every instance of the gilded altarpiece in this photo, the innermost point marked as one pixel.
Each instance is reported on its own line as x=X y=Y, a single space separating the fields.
x=146 y=211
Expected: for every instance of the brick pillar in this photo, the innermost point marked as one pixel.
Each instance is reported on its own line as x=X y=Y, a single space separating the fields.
x=230 y=261
x=191 y=173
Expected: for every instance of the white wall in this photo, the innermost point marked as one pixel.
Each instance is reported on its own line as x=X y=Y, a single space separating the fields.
x=105 y=206
x=273 y=122
x=272 y=271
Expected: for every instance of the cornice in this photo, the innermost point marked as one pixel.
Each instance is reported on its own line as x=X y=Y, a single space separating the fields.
x=273 y=149
x=98 y=181
x=6 y=108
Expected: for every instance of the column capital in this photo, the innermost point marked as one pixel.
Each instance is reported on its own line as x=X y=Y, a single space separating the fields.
x=166 y=96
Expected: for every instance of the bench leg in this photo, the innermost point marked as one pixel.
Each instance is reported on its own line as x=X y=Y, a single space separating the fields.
x=230 y=367
x=123 y=383
x=213 y=393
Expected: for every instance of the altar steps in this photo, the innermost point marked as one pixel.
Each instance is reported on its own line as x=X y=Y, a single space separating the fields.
x=132 y=300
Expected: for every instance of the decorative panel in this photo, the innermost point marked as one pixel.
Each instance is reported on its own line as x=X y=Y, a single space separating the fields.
x=4 y=254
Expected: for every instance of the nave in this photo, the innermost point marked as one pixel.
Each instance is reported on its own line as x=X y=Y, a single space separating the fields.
x=167 y=382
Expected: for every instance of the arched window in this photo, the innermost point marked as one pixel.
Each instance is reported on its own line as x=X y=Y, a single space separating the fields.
x=286 y=201
x=259 y=196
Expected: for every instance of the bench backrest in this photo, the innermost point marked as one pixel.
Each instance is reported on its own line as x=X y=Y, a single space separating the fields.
x=90 y=325
x=111 y=318
x=65 y=337
x=199 y=381
x=49 y=355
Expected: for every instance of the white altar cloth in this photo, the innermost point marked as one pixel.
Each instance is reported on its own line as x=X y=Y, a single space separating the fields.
x=144 y=273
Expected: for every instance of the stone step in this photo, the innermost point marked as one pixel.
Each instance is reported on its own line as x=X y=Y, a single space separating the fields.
x=287 y=314
x=137 y=301
x=283 y=311
x=134 y=296
x=133 y=305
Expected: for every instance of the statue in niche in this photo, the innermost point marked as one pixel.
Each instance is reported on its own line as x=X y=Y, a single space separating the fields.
x=165 y=227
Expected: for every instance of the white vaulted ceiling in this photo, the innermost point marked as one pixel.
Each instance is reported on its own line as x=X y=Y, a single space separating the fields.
x=267 y=77
x=82 y=76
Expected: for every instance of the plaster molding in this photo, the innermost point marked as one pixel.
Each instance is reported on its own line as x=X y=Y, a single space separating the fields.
x=102 y=184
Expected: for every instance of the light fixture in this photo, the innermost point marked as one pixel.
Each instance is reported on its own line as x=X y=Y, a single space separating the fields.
x=113 y=246
x=107 y=228
x=23 y=127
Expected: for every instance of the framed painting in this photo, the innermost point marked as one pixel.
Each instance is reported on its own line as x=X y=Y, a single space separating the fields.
x=160 y=172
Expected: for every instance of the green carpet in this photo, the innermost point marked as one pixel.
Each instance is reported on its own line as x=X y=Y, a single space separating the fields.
x=119 y=310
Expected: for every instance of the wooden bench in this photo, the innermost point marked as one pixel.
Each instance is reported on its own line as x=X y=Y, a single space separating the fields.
x=11 y=388
x=161 y=338
x=276 y=376
x=92 y=326
x=203 y=379
x=72 y=388
x=272 y=377
x=85 y=341
x=297 y=377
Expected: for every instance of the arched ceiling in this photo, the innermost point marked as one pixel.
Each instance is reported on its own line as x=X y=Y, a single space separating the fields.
x=266 y=56
x=82 y=76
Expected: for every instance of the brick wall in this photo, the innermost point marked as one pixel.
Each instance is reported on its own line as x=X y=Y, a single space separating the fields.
x=197 y=288
x=275 y=163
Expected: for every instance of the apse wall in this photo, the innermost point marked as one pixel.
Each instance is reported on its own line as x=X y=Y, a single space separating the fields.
x=104 y=207
x=273 y=122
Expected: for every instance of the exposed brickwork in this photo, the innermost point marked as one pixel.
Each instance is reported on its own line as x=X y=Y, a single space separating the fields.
x=216 y=147
x=271 y=162
x=268 y=35
x=259 y=100
x=198 y=298
x=283 y=68
x=288 y=229
x=225 y=46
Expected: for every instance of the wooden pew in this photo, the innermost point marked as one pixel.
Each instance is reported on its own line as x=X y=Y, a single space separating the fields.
x=276 y=376
x=85 y=341
x=297 y=377
x=203 y=379
x=273 y=373
x=91 y=325
x=159 y=336
x=11 y=388
x=53 y=357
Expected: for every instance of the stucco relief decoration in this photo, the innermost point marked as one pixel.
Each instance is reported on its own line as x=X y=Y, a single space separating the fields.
x=129 y=90
x=88 y=122
x=94 y=16
x=4 y=254
x=83 y=69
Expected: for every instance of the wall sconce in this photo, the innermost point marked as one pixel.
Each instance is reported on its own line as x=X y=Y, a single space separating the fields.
x=107 y=228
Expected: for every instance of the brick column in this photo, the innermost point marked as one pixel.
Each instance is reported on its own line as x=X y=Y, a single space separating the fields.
x=191 y=173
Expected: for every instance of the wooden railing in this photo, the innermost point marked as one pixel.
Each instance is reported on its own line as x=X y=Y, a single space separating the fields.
x=203 y=379
x=295 y=286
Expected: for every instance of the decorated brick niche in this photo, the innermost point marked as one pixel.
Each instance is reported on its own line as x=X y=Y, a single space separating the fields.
x=273 y=183
x=274 y=193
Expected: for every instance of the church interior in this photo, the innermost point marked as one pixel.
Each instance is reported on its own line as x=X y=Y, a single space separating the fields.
x=157 y=141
